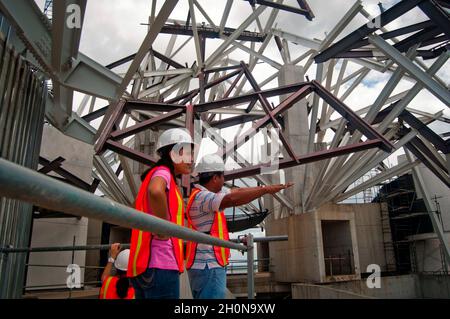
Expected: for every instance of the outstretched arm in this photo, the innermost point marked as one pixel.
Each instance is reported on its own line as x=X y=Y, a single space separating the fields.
x=247 y=195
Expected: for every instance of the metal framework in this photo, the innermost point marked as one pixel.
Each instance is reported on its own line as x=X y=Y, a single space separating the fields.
x=154 y=97
x=225 y=88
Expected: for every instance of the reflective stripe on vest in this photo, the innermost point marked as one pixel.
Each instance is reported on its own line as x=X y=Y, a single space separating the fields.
x=219 y=230
x=141 y=241
x=108 y=290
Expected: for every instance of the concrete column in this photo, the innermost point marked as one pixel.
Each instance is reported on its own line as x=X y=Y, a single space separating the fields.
x=297 y=133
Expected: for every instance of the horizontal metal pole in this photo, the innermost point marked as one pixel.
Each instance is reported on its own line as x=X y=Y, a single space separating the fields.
x=64 y=285
x=304 y=159
x=262 y=239
x=63 y=266
x=107 y=247
x=25 y=184
x=56 y=249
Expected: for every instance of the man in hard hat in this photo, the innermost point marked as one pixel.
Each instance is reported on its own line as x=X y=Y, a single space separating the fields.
x=118 y=286
x=205 y=212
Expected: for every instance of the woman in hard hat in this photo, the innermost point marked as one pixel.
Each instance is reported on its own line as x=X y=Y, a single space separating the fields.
x=156 y=261
x=118 y=286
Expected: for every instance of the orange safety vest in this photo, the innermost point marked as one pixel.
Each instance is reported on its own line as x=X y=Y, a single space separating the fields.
x=141 y=241
x=219 y=229
x=109 y=291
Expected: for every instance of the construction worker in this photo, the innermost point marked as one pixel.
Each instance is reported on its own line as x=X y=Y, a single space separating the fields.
x=205 y=213
x=156 y=261
x=118 y=286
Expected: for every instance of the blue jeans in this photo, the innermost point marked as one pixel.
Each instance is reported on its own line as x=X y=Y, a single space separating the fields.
x=157 y=283
x=208 y=283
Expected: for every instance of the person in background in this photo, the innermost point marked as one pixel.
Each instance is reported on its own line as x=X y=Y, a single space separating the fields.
x=206 y=264
x=156 y=261
x=118 y=286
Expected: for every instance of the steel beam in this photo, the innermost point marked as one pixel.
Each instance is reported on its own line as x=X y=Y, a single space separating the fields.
x=437 y=15
x=385 y=18
x=211 y=59
x=144 y=125
x=63 y=173
x=107 y=126
x=211 y=32
x=397 y=170
x=304 y=159
x=437 y=171
x=160 y=20
x=130 y=153
x=48 y=167
x=425 y=131
x=221 y=143
x=426 y=80
x=350 y=116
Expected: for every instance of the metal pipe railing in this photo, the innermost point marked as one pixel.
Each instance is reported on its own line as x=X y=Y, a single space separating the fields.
x=61 y=285
x=21 y=183
x=123 y=246
x=63 y=266
x=56 y=249
x=262 y=239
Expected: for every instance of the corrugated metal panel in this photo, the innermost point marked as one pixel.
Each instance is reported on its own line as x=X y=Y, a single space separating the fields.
x=22 y=107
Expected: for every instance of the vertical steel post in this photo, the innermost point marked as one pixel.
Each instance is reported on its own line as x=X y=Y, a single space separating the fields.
x=250 y=269
x=73 y=270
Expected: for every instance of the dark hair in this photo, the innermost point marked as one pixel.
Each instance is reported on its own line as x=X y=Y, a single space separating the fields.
x=204 y=178
x=165 y=160
x=122 y=285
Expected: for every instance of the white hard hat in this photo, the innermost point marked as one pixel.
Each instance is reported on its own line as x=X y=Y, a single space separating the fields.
x=210 y=163
x=172 y=137
x=121 y=262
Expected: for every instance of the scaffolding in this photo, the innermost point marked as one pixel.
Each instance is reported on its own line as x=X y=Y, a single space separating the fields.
x=403 y=215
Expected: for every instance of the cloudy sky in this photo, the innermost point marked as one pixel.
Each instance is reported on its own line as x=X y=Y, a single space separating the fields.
x=112 y=30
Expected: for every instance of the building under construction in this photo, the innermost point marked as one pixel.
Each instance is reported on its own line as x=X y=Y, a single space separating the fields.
x=356 y=115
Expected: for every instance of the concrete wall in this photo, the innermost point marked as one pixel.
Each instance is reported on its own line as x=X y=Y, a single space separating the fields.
x=396 y=287
x=297 y=259
x=60 y=231
x=78 y=155
x=56 y=232
x=436 y=188
x=435 y=286
x=301 y=258
x=427 y=253
x=308 y=291
x=94 y=237
x=393 y=287
x=370 y=235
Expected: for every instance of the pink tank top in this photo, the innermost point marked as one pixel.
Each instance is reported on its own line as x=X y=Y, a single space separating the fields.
x=162 y=255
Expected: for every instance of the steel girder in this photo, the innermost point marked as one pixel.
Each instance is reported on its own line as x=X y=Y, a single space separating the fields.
x=431 y=30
